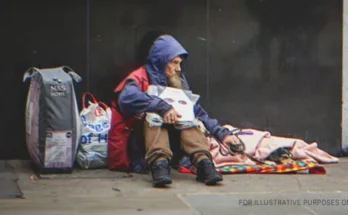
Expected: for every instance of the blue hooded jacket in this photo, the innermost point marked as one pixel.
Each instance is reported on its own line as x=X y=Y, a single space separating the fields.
x=132 y=101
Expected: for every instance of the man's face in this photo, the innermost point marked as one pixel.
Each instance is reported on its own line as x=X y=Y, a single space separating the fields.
x=172 y=72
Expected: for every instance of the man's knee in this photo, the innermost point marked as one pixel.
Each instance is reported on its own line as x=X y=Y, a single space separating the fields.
x=193 y=137
x=195 y=130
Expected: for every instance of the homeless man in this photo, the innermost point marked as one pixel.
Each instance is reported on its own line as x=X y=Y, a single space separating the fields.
x=132 y=102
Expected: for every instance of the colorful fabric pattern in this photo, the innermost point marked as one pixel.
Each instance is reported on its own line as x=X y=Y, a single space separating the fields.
x=298 y=166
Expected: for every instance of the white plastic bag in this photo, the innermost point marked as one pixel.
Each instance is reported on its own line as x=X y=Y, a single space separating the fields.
x=95 y=125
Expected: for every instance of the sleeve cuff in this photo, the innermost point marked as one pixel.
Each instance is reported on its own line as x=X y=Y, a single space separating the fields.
x=222 y=134
x=163 y=108
x=159 y=106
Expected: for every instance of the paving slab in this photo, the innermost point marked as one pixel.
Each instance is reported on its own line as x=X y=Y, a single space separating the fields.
x=106 y=194
x=8 y=182
x=322 y=203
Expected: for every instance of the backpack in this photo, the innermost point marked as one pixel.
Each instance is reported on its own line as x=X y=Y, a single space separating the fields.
x=52 y=118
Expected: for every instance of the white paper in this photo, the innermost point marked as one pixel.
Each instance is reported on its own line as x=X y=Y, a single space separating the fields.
x=180 y=102
x=58 y=149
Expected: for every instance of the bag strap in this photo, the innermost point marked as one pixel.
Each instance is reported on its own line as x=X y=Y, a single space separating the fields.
x=103 y=105
x=72 y=74
x=94 y=100
x=29 y=73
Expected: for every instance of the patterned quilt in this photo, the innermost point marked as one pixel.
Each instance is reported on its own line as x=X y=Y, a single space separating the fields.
x=298 y=166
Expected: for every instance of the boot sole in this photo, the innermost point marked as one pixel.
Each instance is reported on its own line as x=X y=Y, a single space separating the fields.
x=162 y=182
x=210 y=181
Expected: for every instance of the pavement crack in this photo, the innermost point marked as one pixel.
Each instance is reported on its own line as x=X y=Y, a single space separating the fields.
x=298 y=182
x=310 y=210
x=188 y=204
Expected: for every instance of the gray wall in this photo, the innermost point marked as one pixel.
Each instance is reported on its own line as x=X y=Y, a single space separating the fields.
x=344 y=125
x=267 y=64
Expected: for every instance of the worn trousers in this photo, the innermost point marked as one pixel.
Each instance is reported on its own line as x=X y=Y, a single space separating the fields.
x=192 y=141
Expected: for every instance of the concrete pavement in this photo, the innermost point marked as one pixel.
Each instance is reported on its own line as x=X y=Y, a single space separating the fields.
x=237 y=194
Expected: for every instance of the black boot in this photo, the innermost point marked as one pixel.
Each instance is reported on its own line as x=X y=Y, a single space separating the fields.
x=207 y=173
x=160 y=173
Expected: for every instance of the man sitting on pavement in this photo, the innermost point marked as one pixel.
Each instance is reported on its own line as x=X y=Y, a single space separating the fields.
x=132 y=102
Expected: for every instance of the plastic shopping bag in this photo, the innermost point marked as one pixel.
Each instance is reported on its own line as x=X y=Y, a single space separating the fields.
x=95 y=125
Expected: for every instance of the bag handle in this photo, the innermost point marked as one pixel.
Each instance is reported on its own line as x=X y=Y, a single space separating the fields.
x=72 y=74
x=94 y=100
x=29 y=73
x=32 y=70
x=103 y=105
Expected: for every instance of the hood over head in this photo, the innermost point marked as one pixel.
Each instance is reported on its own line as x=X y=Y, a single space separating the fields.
x=164 y=49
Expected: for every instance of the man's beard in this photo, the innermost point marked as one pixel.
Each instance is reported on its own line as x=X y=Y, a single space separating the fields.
x=175 y=81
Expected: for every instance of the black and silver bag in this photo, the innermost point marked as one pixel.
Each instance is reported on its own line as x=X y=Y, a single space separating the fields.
x=52 y=118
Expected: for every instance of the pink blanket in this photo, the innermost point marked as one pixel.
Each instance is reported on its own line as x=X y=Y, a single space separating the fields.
x=260 y=144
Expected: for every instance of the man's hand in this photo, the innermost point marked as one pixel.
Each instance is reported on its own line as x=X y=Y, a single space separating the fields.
x=171 y=117
x=230 y=140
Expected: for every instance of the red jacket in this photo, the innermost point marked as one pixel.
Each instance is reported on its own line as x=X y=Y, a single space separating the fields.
x=121 y=127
